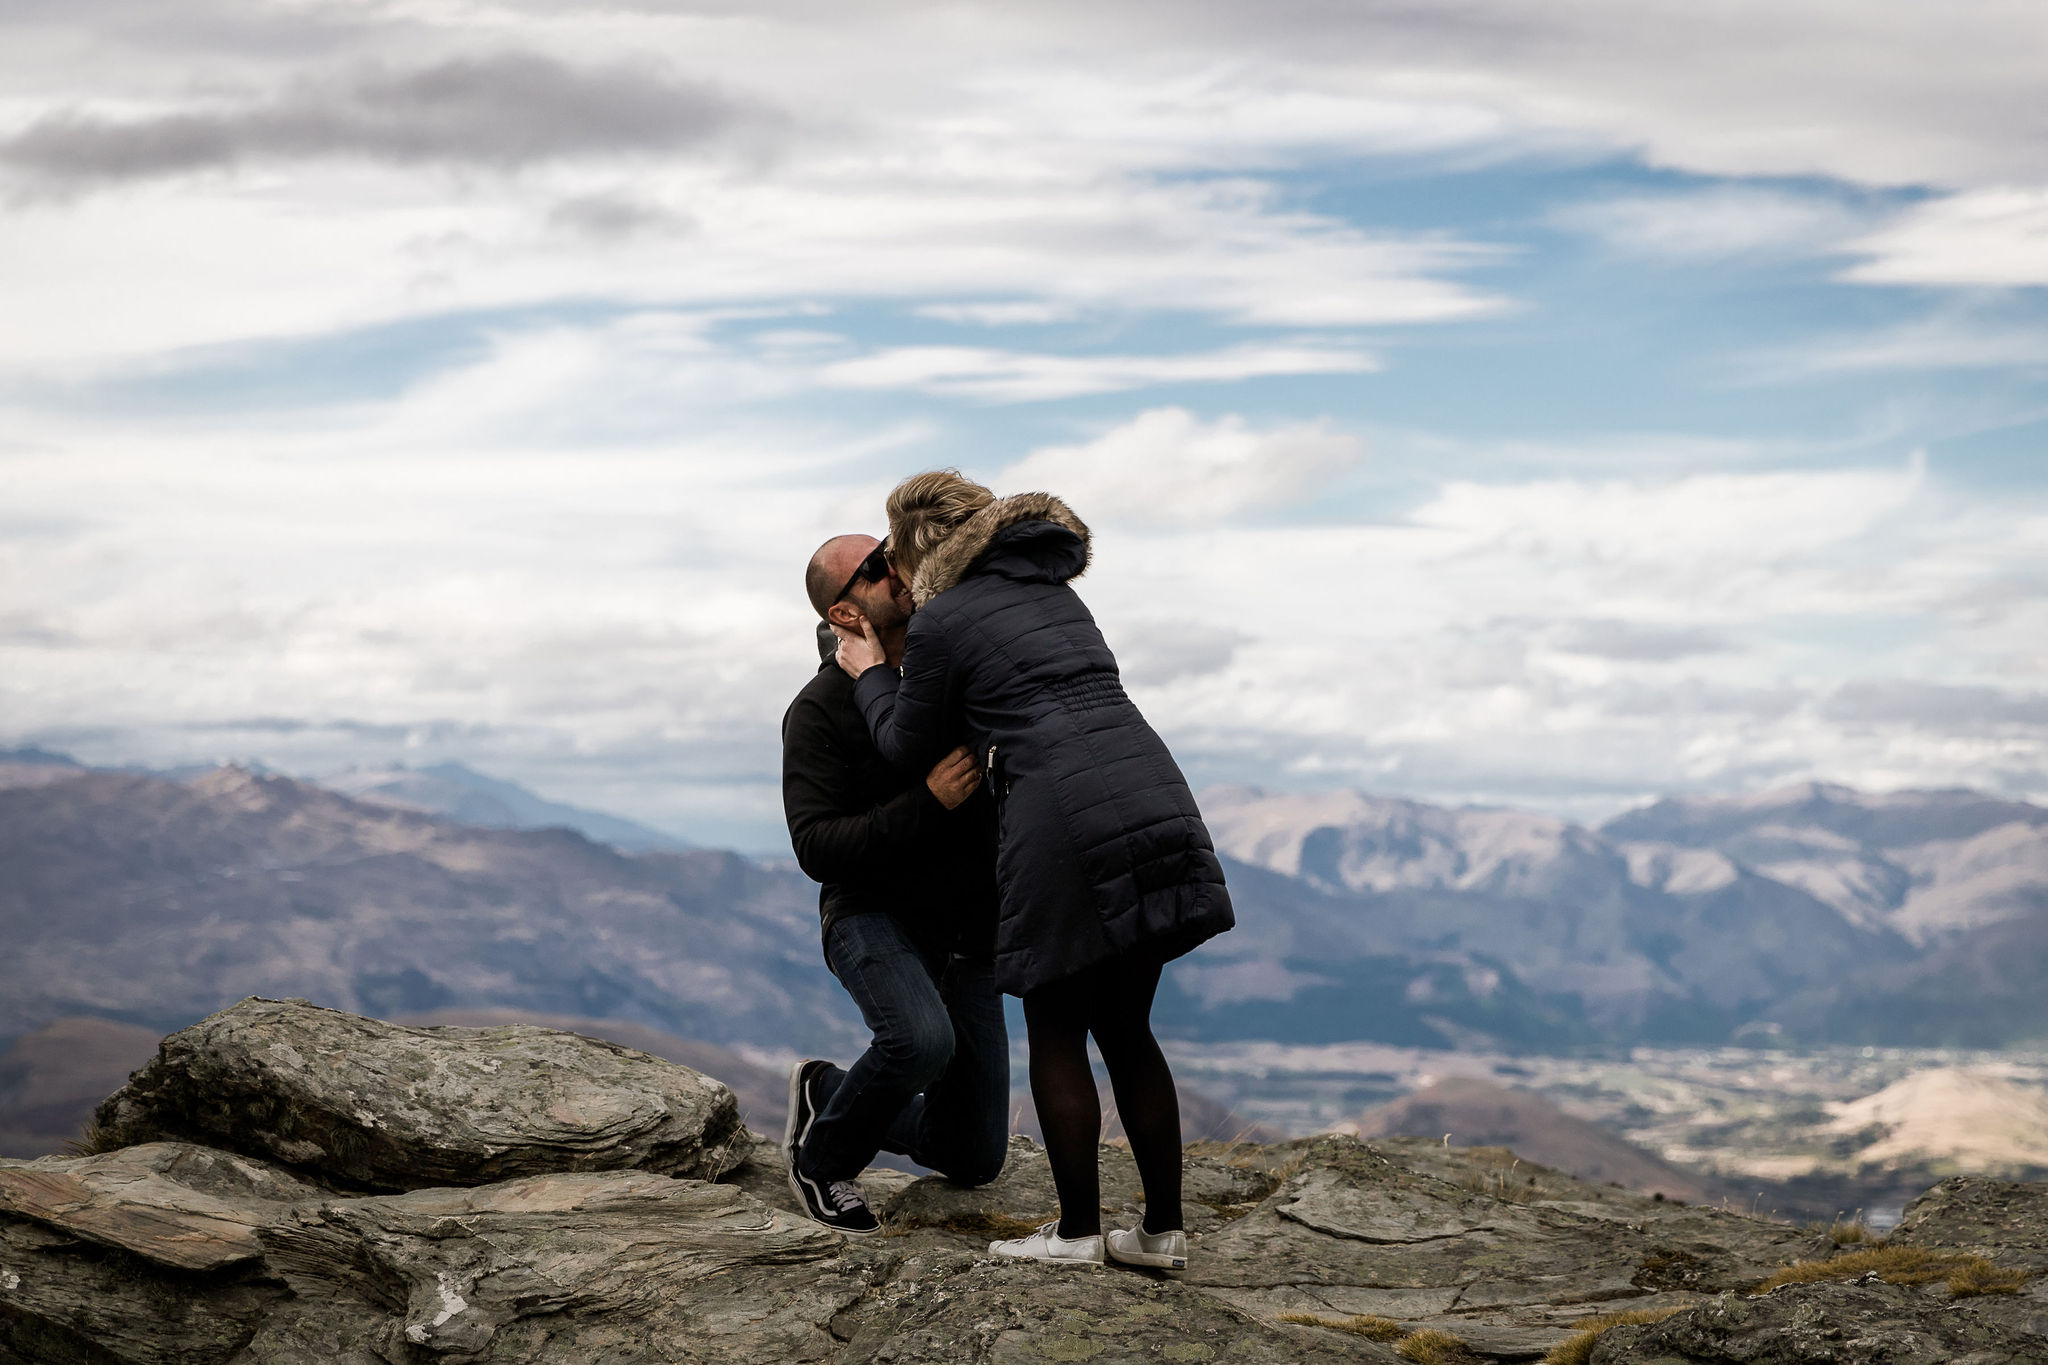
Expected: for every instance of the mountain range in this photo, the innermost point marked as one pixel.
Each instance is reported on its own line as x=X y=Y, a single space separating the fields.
x=472 y=798
x=155 y=902
x=1810 y=913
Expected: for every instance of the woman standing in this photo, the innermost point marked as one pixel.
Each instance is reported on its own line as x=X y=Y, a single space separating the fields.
x=1105 y=870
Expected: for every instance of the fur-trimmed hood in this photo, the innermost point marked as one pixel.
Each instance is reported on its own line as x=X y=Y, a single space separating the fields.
x=950 y=560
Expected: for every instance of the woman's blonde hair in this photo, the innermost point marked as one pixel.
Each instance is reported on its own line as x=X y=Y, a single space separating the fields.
x=927 y=508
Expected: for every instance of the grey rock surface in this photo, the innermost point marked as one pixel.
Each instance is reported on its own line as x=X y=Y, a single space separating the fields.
x=1843 y=1324
x=2004 y=1219
x=175 y=1253
x=148 y=1254
x=613 y=1265
x=365 y=1104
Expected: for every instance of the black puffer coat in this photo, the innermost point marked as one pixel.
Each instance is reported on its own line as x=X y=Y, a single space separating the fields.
x=1102 y=850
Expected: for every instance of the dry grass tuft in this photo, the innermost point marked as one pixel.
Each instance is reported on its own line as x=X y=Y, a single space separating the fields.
x=1852 y=1233
x=1368 y=1325
x=1577 y=1349
x=1287 y=1169
x=1431 y=1347
x=1893 y=1265
x=1982 y=1277
x=1499 y=1180
x=92 y=1141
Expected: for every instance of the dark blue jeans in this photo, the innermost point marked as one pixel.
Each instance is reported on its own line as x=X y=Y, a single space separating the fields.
x=934 y=1085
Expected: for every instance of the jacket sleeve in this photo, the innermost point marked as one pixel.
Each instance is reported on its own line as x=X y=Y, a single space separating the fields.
x=837 y=837
x=913 y=719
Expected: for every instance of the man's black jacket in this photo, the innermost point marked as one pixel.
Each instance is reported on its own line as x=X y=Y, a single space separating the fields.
x=876 y=837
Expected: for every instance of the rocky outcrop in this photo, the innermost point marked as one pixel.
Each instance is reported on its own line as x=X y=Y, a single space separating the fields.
x=361 y=1103
x=1842 y=1324
x=1320 y=1249
x=1871 y=1322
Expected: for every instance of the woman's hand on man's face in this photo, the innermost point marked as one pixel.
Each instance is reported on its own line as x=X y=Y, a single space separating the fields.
x=858 y=653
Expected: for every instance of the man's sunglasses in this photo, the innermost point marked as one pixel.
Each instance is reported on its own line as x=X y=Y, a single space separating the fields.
x=873 y=569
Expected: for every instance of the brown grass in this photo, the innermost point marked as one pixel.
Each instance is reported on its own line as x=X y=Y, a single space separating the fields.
x=1431 y=1347
x=1367 y=1325
x=1500 y=1182
x=1982 y=1277
x=1852 y=1233
x=1897 y=1265
x=91 y=1141
x=1577 y=1348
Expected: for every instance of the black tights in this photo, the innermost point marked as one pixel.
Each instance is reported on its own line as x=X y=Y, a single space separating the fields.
x=1114 y=1002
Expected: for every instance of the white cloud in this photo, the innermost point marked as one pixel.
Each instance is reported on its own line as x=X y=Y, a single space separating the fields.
x=1729 y=525
x=1947 y=341
x=999 y=314
x=1985 y=237
x=1156 y=653
x=1022 y=377
x=1168 y=467
x=1712 y=224
x=1887 y=92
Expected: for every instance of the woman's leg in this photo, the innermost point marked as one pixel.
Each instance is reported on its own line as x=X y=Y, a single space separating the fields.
x=1121 y=1020
x=1063 y=1088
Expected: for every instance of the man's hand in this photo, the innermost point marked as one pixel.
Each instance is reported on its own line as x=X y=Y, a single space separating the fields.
x=955 y=777
x=858 y=653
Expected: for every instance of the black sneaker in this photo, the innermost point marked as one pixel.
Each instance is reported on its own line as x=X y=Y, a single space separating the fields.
x=835 y=1203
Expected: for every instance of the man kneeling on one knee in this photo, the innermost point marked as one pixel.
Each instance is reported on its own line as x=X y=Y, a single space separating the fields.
x=908 y=900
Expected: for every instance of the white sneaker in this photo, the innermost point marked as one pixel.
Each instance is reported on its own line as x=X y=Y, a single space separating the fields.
x=1046 y=1244
x=1135 y=1246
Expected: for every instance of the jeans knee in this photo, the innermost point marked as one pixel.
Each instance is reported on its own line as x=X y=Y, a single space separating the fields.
x=979 y=1166
x=920 y=1053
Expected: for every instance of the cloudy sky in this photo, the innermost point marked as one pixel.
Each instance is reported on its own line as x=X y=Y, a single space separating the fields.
x=1551 y=405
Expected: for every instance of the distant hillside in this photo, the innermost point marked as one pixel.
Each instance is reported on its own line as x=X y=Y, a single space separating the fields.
x=1480 y=1113
x=469 y=797
x=157 y=902
x=1948 y=1119
x=51 y=1079
x=34 y=767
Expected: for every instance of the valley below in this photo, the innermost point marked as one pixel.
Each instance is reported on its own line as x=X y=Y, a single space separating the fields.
x=1784 y=1132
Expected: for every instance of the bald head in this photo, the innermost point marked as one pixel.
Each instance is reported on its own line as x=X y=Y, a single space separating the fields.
x=832 y=565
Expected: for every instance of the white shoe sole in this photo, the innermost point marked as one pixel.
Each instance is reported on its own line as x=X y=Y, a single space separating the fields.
x=789 y=1134
x=1044 y=1260
x=1006 y=1250
x=1152 y=1260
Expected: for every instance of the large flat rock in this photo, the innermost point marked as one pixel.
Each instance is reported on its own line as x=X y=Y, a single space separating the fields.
x=180 y=1206
x=147 y=1255
x=362 y=1104
x=957 y=1309
x=624 y=1265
